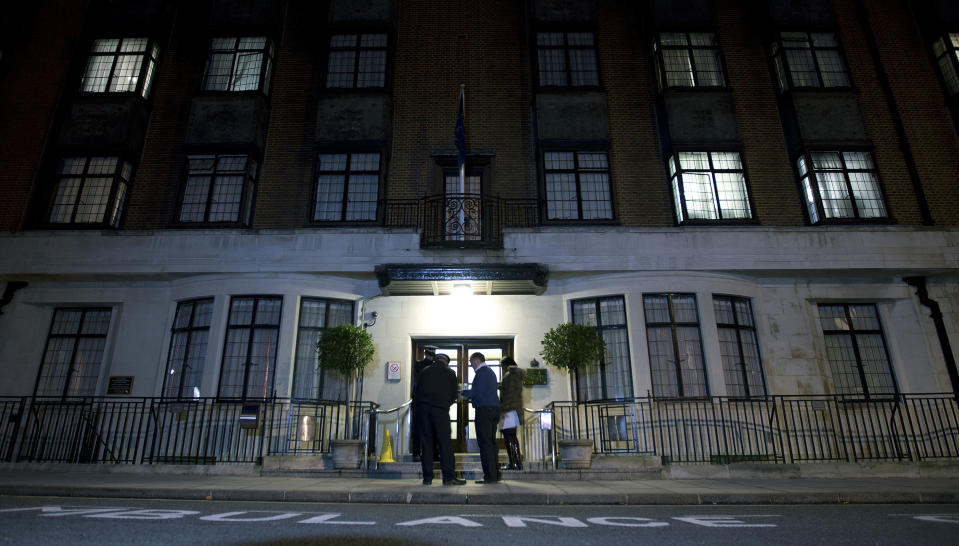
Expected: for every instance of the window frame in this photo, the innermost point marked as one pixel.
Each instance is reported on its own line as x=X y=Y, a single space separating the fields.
x=190 y=330
x=739 y=327
x=674 y=325
x=264 y=72
x=71 y=368
x=659 y=60
x=114 y=207
x=577 y=171
x=323 y=380
x=945 y=52
x=146 y=73
x=566 y=48
x=245 y=205
x=252 y=327
x=784 y=73
x=814 y=189
x=858 y=372
x=678 y=189
x=600 y=368
x=347 y=173
x=358 y=49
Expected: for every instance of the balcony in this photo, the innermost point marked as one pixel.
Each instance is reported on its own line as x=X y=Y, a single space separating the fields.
x=463 y=220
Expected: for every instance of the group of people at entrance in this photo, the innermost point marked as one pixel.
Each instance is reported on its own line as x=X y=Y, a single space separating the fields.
x=436 y=389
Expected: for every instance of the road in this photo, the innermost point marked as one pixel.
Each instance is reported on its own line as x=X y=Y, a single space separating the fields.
x=77 y=521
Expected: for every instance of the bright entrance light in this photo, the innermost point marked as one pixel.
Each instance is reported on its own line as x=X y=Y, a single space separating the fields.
x=462 y=289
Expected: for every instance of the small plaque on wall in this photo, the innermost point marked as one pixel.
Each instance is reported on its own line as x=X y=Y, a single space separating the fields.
x=120 y=384
x=534 y=376
x=393 y=371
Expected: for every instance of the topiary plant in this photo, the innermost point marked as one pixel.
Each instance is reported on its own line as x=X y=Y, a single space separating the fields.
x=572 y=346
x=347 y=349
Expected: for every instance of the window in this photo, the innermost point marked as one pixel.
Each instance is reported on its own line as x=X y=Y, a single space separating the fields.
x=219 y=189
x=567 y=59
x=688 y=59
x=739 y=347
x=808 y=59
x=90 y=190
x=188 y=343
x=841 y=185
x=346 y=187
x=74 y=352
x=249 y=353
x=120 y=65
x=357 y=60
x=856 y=349
x=310 y=380
x=462 y=204
x=238 y=64
x=577 y=186
x=946 y=50
x=612 y=378
x=675 y=347
x=709 y=186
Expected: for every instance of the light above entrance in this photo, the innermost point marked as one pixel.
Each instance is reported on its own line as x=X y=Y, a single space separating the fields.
x=442 y=280
x=462 y=289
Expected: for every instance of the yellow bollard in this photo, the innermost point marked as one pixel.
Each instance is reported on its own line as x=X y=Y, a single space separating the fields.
x=386 y=454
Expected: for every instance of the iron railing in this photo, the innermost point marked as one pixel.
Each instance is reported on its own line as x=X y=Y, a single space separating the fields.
x=461 y=219
x=775 y=429
x=156 y=430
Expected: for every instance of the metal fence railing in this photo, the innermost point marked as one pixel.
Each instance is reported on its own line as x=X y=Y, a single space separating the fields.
x=155 y=430
x=775 y=429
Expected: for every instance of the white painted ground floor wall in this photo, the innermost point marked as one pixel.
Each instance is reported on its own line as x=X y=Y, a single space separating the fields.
x=785 y=273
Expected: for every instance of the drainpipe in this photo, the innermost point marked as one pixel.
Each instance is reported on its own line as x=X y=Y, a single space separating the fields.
x=919 y=283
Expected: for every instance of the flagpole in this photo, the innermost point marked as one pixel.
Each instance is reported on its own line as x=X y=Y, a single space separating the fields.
x=463 y=163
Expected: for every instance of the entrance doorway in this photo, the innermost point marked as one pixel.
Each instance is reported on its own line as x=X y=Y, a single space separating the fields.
x=459 y=350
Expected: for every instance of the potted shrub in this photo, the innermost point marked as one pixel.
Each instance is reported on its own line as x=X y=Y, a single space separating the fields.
x=571 y=347
x=347 y=349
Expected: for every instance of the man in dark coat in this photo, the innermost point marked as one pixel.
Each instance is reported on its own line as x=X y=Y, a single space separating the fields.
x=435 y=392
x=429 y=353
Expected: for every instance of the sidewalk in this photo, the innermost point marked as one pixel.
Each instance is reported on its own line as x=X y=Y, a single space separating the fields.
x=243 y=485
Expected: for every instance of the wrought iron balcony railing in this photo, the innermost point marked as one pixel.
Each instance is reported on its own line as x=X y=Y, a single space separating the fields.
x=461 y=219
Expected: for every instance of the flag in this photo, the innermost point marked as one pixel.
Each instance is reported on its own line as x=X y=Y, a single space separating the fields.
x=459 y=132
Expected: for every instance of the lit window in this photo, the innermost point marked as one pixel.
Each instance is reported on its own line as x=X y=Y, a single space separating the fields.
x=808 y=59
x=675 y=346
x=188 y=344
x=347 y=186
x=856 y=349
x=739 y=347
x=709 y=186
x=946 y=50
x=239 y=64
x=120 y=65
x=357 y=60
x=90 y=191
x=841 y=185
x=74 y=352
x=688 y=59
x=219 y=189
x=567 y=59
x=577 y=186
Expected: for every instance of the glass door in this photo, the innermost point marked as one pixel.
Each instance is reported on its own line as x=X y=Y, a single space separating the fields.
x=462 y=416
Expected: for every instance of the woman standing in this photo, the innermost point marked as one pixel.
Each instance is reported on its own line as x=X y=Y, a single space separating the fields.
x=511 y=404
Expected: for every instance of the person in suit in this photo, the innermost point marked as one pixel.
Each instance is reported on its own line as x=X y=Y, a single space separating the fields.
x=486 y=409
x=435 y=392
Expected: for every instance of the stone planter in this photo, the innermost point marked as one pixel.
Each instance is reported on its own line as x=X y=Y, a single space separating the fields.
x=347 y=454
x=575 y=453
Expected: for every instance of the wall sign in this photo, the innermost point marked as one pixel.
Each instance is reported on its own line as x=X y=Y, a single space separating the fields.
x=535 y=376
x=393 y=370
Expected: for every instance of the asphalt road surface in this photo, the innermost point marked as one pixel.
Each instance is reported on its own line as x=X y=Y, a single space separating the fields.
x=55 y=520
